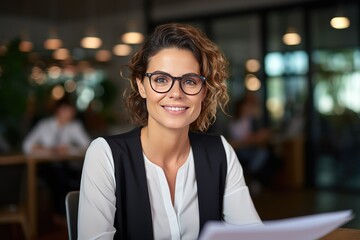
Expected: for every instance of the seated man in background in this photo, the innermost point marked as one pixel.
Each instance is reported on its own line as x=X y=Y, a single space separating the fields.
x=252 y=142
x=59 y=134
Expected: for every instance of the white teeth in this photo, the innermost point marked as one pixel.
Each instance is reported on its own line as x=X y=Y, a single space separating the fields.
x=175 y=108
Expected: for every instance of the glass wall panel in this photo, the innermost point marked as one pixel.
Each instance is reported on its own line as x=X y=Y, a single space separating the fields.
x=281 y=22
x=336 y=75
x=286 y=68
x=239 y=39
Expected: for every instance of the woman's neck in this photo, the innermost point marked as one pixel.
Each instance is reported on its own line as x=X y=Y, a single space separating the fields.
x=166 y=146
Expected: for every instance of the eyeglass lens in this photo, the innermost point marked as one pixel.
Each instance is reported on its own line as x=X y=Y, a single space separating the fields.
x=191 y=84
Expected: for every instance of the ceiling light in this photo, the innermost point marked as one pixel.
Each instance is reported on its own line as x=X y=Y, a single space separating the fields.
x=61 y=54
x=291 y=37
x=91 y=40
x=25 y=46
x=340 y=22
x=132 y=35
x=53 y=42
x=122 y=49
x=132 y=38
x=103 y=55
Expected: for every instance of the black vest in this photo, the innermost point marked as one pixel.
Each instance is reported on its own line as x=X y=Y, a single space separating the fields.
x=133 y=219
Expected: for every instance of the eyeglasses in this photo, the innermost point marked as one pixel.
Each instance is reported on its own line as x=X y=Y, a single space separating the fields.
x=162 y=82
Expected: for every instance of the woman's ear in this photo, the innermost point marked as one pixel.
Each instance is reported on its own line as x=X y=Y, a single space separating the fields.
x=141 y=88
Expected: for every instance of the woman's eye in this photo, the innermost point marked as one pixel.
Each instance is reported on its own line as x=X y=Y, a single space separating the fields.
x=189 y=81
x=161 y=80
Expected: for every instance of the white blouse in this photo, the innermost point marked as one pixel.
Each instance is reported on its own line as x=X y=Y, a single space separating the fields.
x=178 y=221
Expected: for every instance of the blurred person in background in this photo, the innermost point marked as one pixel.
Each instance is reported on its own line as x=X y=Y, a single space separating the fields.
x=252 y=142
x=60 y=134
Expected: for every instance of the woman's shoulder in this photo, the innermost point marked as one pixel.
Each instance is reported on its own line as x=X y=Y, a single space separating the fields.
x=105 y=141
x=134 y=132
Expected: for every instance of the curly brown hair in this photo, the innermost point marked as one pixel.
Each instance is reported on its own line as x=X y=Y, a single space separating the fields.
x=213 y=65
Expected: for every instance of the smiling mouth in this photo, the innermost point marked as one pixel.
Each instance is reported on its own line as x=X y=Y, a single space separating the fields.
x=175 y=108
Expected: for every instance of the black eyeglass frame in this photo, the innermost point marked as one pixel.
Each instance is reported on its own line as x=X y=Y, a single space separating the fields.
x=149 y=75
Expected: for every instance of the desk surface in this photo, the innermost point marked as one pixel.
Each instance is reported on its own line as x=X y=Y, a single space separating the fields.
x=12 y=159
x=43 y=157
x=343 y=234
x=54 y=157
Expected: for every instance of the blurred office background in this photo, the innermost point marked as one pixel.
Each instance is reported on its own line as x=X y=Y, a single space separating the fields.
x=300 y=57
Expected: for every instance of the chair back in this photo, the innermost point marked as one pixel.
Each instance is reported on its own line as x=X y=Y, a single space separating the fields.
x=12 y=180
x=71 y=206
x=13 y=192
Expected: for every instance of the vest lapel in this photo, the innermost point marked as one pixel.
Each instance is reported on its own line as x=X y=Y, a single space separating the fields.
x=133 y=218
x=210 y=170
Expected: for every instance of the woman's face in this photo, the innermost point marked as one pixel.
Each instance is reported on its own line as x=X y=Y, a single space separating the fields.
x=174 y=109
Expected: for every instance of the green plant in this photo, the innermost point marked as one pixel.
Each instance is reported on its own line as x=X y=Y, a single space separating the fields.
x=13 y=93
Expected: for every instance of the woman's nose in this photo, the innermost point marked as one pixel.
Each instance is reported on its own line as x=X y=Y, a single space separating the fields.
x=176 y=90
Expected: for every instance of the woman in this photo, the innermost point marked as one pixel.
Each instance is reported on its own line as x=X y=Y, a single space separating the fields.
x=163 y=180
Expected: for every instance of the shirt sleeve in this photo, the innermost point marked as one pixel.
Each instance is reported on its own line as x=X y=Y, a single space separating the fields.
x=35 y=136
x=238 y=206
x=97 y=193
x=79 y=136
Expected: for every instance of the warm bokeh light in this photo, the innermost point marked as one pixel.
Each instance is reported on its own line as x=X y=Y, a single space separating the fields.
x=132 y=38
x=3 y=50
x=38 y=75
x=103 y=55
x=252 y=65
x=252 y=83
x=52 y=43
x=70 y=86
x=340 y=22
x=54 y=72
x=275 y=107
x=61 y=54
x=91 y=42
x=291 y=37
x=69 y=70
x=84 y=66
x=57 y=92
x=25 y=46
x=122 y=49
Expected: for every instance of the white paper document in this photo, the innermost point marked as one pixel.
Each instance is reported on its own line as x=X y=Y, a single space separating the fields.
x=310 y=227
